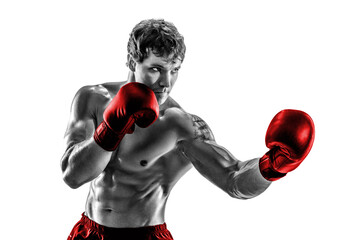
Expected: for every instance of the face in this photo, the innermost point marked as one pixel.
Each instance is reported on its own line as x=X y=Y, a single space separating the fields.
x=158 y=73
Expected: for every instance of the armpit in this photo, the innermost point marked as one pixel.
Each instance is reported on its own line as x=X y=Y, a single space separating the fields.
x=201 y=130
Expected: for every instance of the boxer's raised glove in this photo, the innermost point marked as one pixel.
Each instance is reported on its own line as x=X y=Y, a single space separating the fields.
x=289 y=137
x=134 y=103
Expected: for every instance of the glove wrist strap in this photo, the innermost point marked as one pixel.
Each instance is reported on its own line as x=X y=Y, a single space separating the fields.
x=266 y=169
x=106 y=138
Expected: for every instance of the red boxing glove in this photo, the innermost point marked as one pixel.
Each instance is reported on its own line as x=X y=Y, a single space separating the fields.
x=134 y=103
x=289 y=137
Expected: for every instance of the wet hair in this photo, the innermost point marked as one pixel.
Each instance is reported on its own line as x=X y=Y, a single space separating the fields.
x=159 y=36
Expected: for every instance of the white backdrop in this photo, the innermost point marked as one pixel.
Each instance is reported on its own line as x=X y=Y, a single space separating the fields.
x=245 y=61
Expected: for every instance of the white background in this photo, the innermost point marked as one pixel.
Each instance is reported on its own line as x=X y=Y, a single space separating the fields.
x=245 y=61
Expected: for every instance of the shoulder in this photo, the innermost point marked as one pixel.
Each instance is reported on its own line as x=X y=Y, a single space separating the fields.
x=87 y=98
x=83 y=113
x=91 y=97
x=91 y=92
x=201 y=129
x=103 y=90
x=190 y=126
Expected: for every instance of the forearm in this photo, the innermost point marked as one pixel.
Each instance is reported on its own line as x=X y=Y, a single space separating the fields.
x=239 y=179
x=82 y=162
x=246 y=182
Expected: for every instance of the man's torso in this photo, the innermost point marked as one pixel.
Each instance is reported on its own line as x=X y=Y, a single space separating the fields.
x=133 y=189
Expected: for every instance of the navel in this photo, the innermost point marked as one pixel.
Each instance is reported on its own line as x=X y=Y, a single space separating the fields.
x=143 y=163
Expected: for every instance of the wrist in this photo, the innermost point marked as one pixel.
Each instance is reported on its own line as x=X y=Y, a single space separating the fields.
x=107 y=138
x=266 y=168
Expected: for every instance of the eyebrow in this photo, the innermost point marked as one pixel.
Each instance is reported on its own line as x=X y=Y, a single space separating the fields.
x=163 y=67
x=156 y=65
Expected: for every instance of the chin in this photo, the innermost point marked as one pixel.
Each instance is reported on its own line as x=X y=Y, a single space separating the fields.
x=161 y=100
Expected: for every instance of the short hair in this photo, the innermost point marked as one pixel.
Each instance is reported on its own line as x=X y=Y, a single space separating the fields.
x=157 y=35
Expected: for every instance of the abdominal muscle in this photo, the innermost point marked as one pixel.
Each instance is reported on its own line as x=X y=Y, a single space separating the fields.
x=120 y=198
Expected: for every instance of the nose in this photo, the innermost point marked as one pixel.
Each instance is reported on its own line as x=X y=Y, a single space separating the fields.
x=165 y=80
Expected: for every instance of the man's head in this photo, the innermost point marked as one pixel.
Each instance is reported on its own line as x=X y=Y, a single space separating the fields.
x=156 y=35
x=155 y=52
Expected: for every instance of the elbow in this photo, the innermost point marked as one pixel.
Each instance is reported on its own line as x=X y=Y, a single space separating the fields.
x=241 y=190
x=71 y=181
x=244 y=193
x=234 y=193
x=70 y=177
x=233 y=190
x=67 y=174
x=246 y=184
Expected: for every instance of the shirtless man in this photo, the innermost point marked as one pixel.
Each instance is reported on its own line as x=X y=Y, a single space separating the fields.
x=133 y=142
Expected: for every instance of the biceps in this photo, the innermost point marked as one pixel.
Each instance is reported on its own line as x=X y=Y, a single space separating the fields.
x=211 y=160
x=78 y=131
x=208 y=157
x=82 y=119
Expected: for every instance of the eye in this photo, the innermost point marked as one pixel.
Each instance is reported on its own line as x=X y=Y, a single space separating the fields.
x=155 y=69
x=175 y=70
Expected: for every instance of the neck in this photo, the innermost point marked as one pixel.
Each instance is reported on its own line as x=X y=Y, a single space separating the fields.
x=131 y=77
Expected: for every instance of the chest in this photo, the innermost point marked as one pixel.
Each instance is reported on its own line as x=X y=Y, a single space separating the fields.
x=148 y=143
x=147 y=147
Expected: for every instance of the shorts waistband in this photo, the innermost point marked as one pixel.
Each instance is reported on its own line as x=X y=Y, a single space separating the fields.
x=110 y=230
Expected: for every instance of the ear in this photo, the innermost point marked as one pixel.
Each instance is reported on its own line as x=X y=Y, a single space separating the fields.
x=131 y=63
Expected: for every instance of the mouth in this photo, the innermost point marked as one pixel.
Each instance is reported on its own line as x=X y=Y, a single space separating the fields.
x=160 y=96
x=160 y=92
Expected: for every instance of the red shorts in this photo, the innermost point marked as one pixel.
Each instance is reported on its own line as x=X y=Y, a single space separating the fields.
x=90 y=230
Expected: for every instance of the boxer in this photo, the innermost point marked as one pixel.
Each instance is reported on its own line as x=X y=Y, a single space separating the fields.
x=132 y=142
